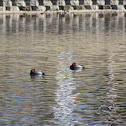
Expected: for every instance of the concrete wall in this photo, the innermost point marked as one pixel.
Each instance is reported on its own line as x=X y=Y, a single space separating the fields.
x=42 y=5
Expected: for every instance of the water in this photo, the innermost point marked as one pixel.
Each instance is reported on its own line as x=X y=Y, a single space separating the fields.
x=94 y=96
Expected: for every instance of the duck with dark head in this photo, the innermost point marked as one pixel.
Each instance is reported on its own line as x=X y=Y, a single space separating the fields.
x=75 y=66
x=34 y=72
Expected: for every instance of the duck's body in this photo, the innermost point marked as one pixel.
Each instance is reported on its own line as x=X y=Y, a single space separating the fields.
x=34 y=72
x=75 y=66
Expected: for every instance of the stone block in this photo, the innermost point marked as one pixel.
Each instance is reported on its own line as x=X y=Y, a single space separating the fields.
x=74 y=2
x=7 y=3
x=34 y=3
x=88 y=2
x=61 y=3
x=120 y=7
x=54 y=7
x=31 y=2
x=114 y=2
x=124 y=2
x=20 y=3
x=68 y=7
x=101 y=2
x=95 y=7
x=2 y=8
x=14 y=8
x=42 y=8
x=47 y=3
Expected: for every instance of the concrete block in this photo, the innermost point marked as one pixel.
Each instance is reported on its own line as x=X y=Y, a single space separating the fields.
x=95 y=7
x=7 y=3
x=101 y=2
x=68 y=7
x=20 y=3
x=34 y=3
x=124 y=2
x=2 y=8
x=47 y=3
x=14 y=8
x=120 y=7
x=114 y=2
x=54 y=7
x=61 y=3
x=74 y=2
x=42 y=8
x=88 y=2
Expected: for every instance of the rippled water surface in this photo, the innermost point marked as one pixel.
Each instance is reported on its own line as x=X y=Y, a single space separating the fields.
x=94 y=96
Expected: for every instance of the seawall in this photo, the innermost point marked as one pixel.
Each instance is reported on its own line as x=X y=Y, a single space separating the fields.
x=41 y=6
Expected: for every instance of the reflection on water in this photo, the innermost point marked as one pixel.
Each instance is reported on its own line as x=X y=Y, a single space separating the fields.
x=65 y=98
x=94 y=96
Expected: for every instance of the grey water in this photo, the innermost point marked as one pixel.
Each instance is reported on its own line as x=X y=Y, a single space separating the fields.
x=62 y=97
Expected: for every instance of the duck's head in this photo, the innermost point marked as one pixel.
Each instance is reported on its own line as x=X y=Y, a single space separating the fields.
x=33 y=70
x=74 y=64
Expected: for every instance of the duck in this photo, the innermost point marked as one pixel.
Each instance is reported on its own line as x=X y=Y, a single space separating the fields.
x=75 y=66
x=34 y=72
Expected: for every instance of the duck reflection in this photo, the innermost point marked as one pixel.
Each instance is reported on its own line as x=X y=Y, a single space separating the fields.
x=33 y=77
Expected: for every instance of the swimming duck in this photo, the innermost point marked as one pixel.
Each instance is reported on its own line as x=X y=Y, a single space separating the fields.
x=75 y=66
x=34 y=72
